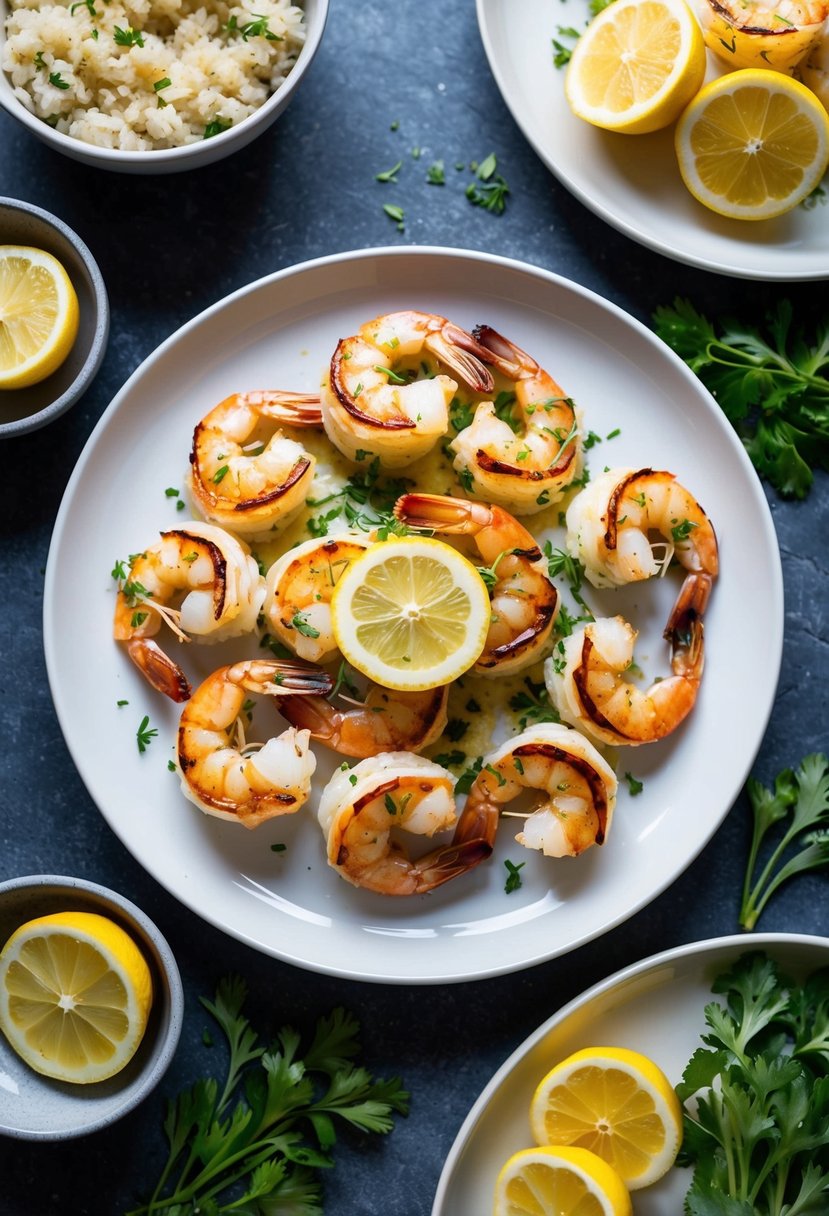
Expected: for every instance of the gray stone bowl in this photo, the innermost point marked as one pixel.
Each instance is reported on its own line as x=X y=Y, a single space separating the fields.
x=27 y=409
x=34 y=1107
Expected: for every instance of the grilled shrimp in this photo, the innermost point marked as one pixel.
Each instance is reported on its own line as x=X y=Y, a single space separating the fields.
x=224 y=775
x=245 y=473
x=372 y=406
x=299 y=586
x=814 y=70
x=588 y=685
x=528 y=470
x=776 y=34
x=611 y=521
x=359 y=808
x=577 y=786
x=215 y=582
x=524 y=600
x=384 y=721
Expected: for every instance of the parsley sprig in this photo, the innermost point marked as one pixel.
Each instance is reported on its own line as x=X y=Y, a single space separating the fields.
x=799 y=803
x=365 y=501
x=253 y=1145
x=757 y=1102
x=773 y=386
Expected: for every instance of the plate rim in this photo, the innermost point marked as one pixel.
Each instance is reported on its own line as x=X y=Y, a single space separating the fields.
x=283 y=951
x=634 y=232
x=632 y=971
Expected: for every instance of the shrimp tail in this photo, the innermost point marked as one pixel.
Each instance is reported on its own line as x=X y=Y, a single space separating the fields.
x=311 y=713
x=159 y=669
x=294 y=409
x=278 y=678
x=463 y=355
x=684 y=631
x=449 y=862
x=510 y=360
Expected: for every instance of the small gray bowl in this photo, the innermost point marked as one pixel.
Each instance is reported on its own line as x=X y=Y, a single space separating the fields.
x=34 y=1107
x=27 y=409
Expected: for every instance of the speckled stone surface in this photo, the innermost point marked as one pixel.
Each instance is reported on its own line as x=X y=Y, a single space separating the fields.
x=168 y=247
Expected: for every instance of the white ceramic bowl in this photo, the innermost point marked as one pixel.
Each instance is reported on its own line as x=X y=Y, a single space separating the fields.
x=34 y=1107
x=192 y=156
x=28 y=409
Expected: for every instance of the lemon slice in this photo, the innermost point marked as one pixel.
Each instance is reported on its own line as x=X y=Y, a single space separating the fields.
x=559 y=1181
x=75 y=995
x=411 y=613
x=636 y=66
x=753 y=144
x=38 y=315
x=616 y=1103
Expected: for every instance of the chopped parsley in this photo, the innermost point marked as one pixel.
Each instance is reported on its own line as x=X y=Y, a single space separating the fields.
x=634 y=786
x=513 y=881
x=144 y=735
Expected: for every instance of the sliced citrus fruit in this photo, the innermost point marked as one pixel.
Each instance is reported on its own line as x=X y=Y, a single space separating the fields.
x=411 y=613
x=75 y=995
x=636 y=66
x=753 y=144
x=559 y=1181
x=38 y=315
x=618 y=1104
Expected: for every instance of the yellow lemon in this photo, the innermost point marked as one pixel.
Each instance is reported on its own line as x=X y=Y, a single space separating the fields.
x=618 y=1104
x=636 y=66
x=559 y=1181
x=75 y=995
x=753 y=144
x=411 y=613
x=38 y=315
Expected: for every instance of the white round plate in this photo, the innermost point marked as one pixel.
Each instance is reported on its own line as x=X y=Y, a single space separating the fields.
x=656 y=1006
x=280 y=332
x=632 y=181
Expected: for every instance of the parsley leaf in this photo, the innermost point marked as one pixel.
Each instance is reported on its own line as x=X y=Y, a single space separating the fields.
x=513 y=881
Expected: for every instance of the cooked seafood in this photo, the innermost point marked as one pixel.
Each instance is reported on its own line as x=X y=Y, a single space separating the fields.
x=300 y=584
x=219 y=587
x=245 y=473
x=361 y=806
x=233 y=779
x=611 y=521
x=774 y=34
x=524 y=600
x=384 y=721
x=586 y=676
x=526 y=470
x=814 y=70
x=372 y=404
x=577 y=788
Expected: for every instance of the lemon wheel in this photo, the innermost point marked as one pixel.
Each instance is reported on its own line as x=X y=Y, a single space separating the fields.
x=753 y=144
x=559 y=1181
x=38 y=315
x=75 y=996
x=636 y=66
x=617 y=1104
x=411 y=613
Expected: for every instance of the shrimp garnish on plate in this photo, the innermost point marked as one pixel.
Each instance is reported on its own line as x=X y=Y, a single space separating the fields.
x=588 y=685
x=361 y=807
x=769 y=34
x=526 y=470
x=383 y=721
x=300 y=585
x=611 y=523
x=245 y=473
x=197 y=579
x=524 y=600
x=234 y=779
x=372 y=403
x=577 y=789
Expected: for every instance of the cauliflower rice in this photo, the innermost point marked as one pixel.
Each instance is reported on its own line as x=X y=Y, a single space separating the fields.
x=139 y=75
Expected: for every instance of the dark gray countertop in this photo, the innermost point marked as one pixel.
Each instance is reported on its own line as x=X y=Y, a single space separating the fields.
x=170 y=246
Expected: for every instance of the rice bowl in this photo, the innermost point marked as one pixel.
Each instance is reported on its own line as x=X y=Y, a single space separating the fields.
x=153 y=85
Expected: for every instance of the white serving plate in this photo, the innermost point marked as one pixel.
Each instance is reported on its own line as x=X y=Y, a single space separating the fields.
x=280 y=332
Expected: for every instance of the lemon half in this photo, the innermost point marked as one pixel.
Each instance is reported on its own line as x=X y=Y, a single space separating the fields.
x=753 y=144
x=618 y=1104
x=75 y=996
x=559 y=1181
x=411 y=613
x=38 y=315
x=636 y=66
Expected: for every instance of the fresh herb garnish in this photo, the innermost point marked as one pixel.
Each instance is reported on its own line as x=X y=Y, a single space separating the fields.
x=799 y=803
x=513 y=881
x=533 y=705
x=773 y=387
x=634 y=786
x=57 y=80
x=127 y=37
x=301 y=625
x=389 y=175
x=394 y=213
x=215 y=128
x=467 y=778
x=258 y=28
x=144 y=735
x=365 y=501
x=489 y=190
x=436 y=174
x=253 y=1140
